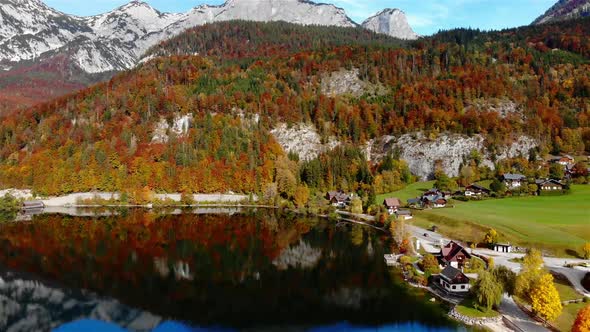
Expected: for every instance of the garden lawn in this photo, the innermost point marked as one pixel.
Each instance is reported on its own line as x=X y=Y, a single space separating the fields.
x=566 y=291
x=468 y=308
x=411 y=191
x=549 y=222
x=568 y=316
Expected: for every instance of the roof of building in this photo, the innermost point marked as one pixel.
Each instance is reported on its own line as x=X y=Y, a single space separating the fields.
x=434 y=198
x=451 y=273
x=339 y=196
x=476 y=187
x=414 y=200
x=451 y=250
x=510 y=176
x=392 y=202
x=404 y=213
x=544 y=181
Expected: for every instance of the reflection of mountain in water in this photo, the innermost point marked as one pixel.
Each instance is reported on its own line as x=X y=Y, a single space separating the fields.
x=31 y=305
x=300 y=256
x=250 y=270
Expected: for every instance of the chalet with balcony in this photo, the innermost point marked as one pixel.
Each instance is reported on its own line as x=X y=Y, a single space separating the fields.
x=339 y=198
x=454 y=281
x=549 y=185
x=475 y=190
x=454 y=254
x=392 y=204
x=513 y=181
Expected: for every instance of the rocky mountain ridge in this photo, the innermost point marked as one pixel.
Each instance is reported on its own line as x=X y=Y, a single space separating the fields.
x=391 y=22
x=33 y=305
x=423 y=154
x=565 y=10
x=115 y=40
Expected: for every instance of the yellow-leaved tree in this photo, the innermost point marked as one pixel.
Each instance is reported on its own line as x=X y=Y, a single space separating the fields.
x=586 y=250
x=530 y=274
x=582 y=323
x=301 y=196
x=545 y=299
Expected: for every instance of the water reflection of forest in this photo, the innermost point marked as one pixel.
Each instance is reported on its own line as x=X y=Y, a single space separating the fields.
x=251 y=268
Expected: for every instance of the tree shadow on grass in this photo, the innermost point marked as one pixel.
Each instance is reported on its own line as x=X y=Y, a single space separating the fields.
x=573 y=253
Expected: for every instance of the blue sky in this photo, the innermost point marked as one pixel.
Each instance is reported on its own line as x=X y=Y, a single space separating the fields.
x=425 y=16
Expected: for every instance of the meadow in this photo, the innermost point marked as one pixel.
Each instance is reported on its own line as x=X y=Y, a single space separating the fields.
x=559 y=223
x=411 y=191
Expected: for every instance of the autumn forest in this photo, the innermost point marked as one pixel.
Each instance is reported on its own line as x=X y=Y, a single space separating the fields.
x=235 y=81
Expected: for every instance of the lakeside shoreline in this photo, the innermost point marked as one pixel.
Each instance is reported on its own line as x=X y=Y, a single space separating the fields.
x=113 y=199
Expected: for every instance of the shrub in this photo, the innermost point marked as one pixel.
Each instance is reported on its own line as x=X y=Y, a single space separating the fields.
x=187 y=199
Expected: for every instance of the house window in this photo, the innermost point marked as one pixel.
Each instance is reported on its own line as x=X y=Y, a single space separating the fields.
x=462 y=286
x=454 y=287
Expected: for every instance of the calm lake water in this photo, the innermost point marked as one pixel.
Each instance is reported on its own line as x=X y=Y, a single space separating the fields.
x=146 y=270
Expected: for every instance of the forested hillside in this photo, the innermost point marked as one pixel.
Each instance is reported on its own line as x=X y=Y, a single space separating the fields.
x=246 y=39
x=201 y=123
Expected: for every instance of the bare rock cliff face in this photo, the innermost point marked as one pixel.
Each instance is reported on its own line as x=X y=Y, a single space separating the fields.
x=420 y=152
x=303 y=140
x=565 y=10
x=391 y=22
x=448 y=150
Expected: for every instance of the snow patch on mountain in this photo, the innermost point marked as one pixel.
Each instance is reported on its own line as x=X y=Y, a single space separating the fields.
x=116 y=40
x=391 y=22
x=32 y=305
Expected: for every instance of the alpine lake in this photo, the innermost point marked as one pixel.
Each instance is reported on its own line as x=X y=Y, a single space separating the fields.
x=203 y=269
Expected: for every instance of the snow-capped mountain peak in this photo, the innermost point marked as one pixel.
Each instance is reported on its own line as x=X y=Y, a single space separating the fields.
x=391 y=21
x=565 y=10
x=116 y=40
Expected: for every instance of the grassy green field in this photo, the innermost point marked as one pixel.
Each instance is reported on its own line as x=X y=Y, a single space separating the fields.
x=468 y=308
x=411 y=191
x=566 y=291
x=559 y=223
x=565 y=321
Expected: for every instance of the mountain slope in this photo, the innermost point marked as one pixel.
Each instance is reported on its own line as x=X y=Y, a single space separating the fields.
x=565 y=10
x=392 y=22
x=247 y=39
x=115 y=40
x=28 y=28
x=33 y=34
x=186 y=123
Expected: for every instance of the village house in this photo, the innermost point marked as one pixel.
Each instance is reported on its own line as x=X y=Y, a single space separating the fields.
x=453 y=280
x=513 y=181
x=503 y=247
x=475 y=190
x=433 y=192
x=415 y=202
x=434 y=201
x=432 y=198
x=453 y=254
x=392 y=204
x=404 y=214
x=564 y=160
x=549 y=185
x=339 y=198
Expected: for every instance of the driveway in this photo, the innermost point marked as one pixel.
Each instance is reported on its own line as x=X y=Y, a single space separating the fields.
x=432 y=242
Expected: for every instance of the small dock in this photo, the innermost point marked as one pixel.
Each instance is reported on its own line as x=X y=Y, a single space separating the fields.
x=33 y=205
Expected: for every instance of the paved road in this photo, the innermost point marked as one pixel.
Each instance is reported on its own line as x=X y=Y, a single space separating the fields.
x=432 y=242
x=510 y=310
